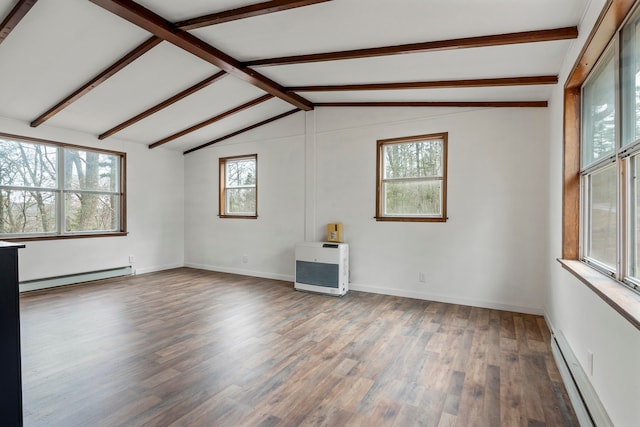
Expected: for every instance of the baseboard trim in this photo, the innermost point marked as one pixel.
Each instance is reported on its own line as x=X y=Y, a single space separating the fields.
x=377 y=290
x=444 y=299
x=157 y=268
x=240 y=271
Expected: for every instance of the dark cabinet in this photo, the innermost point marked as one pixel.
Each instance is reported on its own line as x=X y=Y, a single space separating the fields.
x=11 y=389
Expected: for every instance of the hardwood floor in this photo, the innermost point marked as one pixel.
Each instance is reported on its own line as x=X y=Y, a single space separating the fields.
x=189 y=347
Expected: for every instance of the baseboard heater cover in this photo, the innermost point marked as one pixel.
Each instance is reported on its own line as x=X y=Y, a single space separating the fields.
x=585 y=400
x=70 y=279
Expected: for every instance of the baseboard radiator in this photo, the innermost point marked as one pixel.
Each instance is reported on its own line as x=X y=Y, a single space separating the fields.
x=584 y=398
x=69 y=279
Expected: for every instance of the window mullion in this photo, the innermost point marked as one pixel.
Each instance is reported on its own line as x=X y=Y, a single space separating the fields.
x=621 y=165
x=60 y=205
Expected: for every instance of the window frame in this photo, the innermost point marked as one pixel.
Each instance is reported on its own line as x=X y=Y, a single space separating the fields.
x=60 y=234
x=610 y=289
x=380 y=215
x=222 y=188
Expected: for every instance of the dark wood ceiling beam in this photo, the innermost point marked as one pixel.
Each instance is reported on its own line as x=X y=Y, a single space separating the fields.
x=99 y=79
x=244 y=12
x=506 y=81
x=499 y=104
x=16 y=14
x=160 y=27
x=212 y=120
x=462 y=43
x=243 y=130
x=211 y=19
x=164 y=104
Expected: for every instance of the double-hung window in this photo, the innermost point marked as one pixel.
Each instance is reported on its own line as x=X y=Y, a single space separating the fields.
x=610 y=159
x=55 y=190
x=238 y=196
x=599 y=165
x=412 y=178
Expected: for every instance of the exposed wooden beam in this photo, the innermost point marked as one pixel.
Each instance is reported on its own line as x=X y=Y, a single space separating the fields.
x=526 y=104
x=18 y=12
x=244 y=12
x=463 y=43
x=507 y=81
x=211 y=19
x=212 y=120
x=160 y=27
x=243 y=130
x=164 y=104
x=97 y=80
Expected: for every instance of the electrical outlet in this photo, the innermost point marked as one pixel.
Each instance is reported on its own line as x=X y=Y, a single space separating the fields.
x=590 y=362
x=132 y=259
x=245 y=259
x=421 y=278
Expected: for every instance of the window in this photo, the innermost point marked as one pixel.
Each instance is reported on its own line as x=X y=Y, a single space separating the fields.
x=412 y=178
x=54 y=190
x=598 y=169
x=610 y=159
x=239 y=187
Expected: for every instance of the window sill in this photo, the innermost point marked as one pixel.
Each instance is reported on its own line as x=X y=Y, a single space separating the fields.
x=63 y=236
x=410 y=219
x=619 y=297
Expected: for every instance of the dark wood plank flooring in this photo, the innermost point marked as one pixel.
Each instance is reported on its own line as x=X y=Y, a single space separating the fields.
x=187 y=347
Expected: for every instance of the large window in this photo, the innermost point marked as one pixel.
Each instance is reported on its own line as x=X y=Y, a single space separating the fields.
x=610 y=159
x=239 y=187
x=54 y=190
x=412 y=178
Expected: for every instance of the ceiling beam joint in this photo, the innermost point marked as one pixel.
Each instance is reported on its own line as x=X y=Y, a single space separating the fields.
x=160 y=27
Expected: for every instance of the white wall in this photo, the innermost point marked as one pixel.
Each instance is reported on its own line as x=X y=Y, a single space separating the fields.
x=267 y=242
x=155 y=213
x=587 y=322
x=490 y=252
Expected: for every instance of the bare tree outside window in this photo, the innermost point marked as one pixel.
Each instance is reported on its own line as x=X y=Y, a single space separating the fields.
x=238 y=186
x=36 y=199
x=412 y=178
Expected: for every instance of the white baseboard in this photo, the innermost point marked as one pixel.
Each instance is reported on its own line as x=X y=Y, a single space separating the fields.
x=240 y=271
x=445 y=299
x=378 y=290
x=157 y=268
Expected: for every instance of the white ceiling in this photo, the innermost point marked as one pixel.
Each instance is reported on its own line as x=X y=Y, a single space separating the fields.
x=61 y=44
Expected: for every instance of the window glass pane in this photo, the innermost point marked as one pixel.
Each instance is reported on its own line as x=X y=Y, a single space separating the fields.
x=598 y=113
x=602 y=216
x=91 y=212
x=241 y=201
x=413 y=160
x=630 y=63
x=634 y=218
x=88 y=170
x=27 y=212
x=413 y=198
x=240 y=172
x=25 y=164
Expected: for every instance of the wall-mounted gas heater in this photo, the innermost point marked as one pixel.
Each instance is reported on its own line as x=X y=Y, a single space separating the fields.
x=322 y=267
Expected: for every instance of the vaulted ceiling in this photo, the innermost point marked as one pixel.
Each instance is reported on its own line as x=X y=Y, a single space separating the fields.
x=186 y=74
